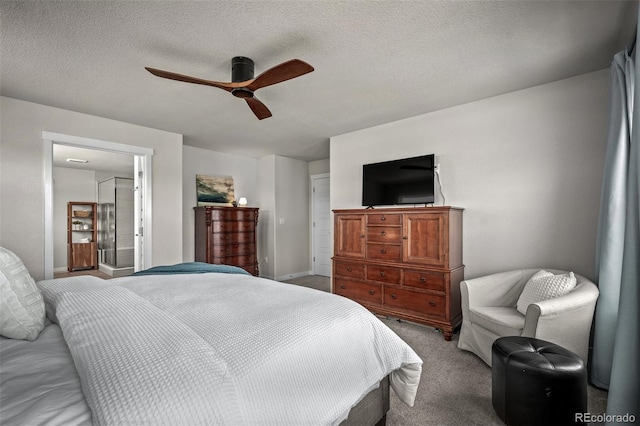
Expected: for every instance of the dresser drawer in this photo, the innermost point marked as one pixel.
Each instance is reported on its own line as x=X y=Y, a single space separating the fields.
x=239 y=260
x=384 y=234
x=384 y=219
x=234 y=237
x=358 y=291
x=383 y=274
x=232 y=249
x=388 y=252
x=351 y=270
x=413 y=301
x=244 y=226
x=424 y=279
x=233 y=215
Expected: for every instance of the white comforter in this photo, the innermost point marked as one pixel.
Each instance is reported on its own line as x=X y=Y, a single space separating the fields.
x=224 y=349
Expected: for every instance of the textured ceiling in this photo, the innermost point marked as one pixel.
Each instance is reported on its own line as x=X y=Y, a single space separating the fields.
x=375 y=62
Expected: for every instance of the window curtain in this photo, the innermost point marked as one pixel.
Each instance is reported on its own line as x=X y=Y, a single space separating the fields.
x=616 y=345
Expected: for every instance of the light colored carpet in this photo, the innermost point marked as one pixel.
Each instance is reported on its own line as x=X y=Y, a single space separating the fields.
x=313 y=281
x=455 y=387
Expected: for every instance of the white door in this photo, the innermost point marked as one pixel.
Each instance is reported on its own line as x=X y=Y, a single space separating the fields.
x=142 y=209
x=321 y=222
x=138 y=218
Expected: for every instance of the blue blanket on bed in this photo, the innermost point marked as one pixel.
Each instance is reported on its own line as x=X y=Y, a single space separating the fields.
x=192 y=268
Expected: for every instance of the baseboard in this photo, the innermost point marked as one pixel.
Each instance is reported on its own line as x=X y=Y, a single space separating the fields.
x=268 y=277
x=294 y=275
x=61 y=269
x=115 y=272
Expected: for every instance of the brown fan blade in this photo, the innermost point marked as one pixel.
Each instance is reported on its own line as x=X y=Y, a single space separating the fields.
x=259 y=109
x=283 y=72
x=188 y=79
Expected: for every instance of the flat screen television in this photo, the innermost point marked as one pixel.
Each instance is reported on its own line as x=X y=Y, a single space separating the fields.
x=404 y=181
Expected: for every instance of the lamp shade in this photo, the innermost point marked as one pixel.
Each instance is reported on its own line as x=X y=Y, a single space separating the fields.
x=242 y=201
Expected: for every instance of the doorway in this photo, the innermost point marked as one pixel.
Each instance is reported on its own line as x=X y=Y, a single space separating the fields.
x=321 y=225
x=139 y=161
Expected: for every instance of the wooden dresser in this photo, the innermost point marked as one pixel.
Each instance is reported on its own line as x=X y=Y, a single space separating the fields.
x=227 y=235
x=402 y=262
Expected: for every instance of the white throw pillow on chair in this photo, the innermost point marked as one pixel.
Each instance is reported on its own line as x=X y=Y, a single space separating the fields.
x=544 y=285
x=21 y=304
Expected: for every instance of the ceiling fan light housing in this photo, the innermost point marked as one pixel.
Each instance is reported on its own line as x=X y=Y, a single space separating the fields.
x=242 y=92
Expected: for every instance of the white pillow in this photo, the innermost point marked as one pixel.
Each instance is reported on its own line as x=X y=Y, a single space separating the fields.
x=21 y=305
x=544 y=285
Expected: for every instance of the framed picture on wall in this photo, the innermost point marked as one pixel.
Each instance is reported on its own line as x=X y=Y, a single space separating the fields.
x=214 y=190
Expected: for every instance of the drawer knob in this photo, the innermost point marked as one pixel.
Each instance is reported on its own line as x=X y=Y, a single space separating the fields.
x=432 y=303
x=343 y=287
x=423 y=279
x=394 y=296
x=383 y=233
x=348 y=268
x=383 y=218
x=372 y=292
x=382 y=274
x=383 y=251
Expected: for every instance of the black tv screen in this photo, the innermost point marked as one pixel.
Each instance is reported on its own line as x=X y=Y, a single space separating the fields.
x=405 y=181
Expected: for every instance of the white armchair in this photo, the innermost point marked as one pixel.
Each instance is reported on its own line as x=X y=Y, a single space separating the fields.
x=489 y=311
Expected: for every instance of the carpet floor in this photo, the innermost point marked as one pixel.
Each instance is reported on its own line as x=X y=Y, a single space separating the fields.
x=455 y=386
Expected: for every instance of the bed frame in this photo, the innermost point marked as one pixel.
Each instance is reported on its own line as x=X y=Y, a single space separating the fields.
x=372 y=410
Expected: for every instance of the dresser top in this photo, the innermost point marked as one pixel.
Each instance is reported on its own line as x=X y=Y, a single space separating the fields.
x=399 y=210
x=224 y=208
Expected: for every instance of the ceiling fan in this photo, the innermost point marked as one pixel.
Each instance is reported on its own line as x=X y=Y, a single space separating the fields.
x=243 y=85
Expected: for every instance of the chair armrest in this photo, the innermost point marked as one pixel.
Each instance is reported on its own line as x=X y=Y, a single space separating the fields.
x=584 y=294
x=501 y=289
x=566 y=319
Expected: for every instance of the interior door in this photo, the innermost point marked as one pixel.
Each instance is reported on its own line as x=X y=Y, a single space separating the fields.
x=139 y=213
x=321 y=223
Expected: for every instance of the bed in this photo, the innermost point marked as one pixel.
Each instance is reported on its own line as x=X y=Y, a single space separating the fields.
x=178 y=346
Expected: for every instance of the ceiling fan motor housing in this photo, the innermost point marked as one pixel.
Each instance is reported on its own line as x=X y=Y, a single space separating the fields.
x=241 y=70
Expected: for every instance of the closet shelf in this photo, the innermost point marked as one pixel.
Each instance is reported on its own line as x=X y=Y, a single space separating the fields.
x=82 y=254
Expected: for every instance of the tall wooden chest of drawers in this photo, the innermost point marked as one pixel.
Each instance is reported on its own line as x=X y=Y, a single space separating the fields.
x=227 y=235
x=402 y=262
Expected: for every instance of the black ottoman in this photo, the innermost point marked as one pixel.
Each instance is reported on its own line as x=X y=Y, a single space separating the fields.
x=535 y=382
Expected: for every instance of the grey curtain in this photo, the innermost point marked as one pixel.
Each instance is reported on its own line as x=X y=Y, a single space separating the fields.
x=616 y=345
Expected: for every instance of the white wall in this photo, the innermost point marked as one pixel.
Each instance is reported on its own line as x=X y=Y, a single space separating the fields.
x=526 y=166
x=22 y=178
x=319 y=167
x=201 y=161
x=266 y=231
x=284 y=198
x=292 y=218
